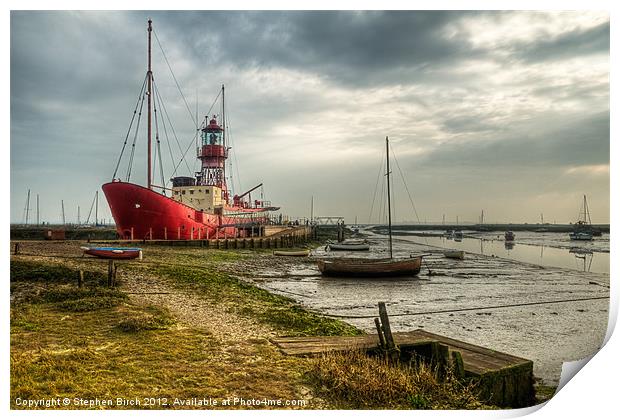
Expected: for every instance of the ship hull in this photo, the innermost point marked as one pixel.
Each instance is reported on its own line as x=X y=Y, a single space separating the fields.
x=140 y=213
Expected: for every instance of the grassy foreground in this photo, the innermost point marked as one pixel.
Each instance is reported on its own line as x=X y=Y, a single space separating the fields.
x=103 y=348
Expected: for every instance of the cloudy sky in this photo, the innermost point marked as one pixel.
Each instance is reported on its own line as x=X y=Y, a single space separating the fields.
x=506 y=112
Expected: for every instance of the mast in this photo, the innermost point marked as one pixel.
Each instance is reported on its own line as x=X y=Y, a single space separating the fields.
x=149 y=77
x=387 y=156
x=96 y=207
x=62 y=205
x=27 y=206
x=79 y=223
x=311 y=208
x=37 y=209
x=224 y=139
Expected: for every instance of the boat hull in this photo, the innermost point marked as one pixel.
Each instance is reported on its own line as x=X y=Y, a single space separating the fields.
x=140 y=213
x=362 y=267
x=457 y=255
x=348 y=247
x=303 y=253
x=113 y=253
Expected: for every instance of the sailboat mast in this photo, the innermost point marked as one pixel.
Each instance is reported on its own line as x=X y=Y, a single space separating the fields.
x=387 y=156
x=224 y=136
x=96 y=207
x=27 y=206
x=149 y=77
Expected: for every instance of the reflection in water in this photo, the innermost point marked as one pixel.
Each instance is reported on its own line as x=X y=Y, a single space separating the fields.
x=585 y=256
x=543 y=254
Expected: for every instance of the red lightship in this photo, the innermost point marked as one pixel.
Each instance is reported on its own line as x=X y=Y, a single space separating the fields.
x=198 y=207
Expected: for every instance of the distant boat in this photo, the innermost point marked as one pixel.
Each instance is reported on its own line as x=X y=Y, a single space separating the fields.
x=583 y=229
x=365 y=267
x=455 y=254
x=302 y=253
x=509 y=236
x=580 y=236
x=449 y=233
x=458 y=234
x=372 y=267
x=343 y=246
x=113 y=253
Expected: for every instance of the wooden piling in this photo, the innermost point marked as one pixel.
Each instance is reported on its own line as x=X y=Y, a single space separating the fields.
x=80 y=278
x=16 y=249
x=111 y=273
x=380 y=333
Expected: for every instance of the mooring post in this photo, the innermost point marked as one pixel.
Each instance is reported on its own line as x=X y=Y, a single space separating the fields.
x=391 y=351
x=80 y=278
x=457 y=365
x=380 y=334
x=111 y=273
x=16 y=250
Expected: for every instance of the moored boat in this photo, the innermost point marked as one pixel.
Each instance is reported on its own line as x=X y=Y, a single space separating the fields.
x=509 y=236
x=580 y=236
x=371 y=267
x=454 y=254
x=363 y=267
x=301 y=253
x=113 y=253
x=341 y=246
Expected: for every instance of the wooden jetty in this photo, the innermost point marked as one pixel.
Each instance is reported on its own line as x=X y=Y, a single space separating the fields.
x=503 y=379
x=278 y=237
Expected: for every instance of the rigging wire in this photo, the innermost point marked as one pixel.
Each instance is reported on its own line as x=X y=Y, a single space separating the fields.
x=175 y=80
x=167 y=115
x=374 y=195
x=135 y=138
x=140 y=95
x=158 y=149
x=91 y=209
x=406 y=188
x=190 y=144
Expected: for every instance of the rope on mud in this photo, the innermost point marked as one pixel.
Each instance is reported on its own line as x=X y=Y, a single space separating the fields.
x=470 y=309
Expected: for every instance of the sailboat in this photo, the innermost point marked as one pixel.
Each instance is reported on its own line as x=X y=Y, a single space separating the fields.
x=583 y=229
x=374 y=267
x=199 y=206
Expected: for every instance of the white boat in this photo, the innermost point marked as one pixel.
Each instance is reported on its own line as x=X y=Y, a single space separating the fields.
x=580 y=236
x=344 y=246
x=455 y=254
x=301 y=253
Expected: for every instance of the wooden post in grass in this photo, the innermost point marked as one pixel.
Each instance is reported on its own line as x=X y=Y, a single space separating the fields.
x=111 y=273
x=391 y=351
x=16 y=250
x=457 y=365
x=80 y=278
x=380 y=333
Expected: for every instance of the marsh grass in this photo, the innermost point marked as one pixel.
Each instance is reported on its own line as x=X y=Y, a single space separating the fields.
x=355 y=380
x=249 y=300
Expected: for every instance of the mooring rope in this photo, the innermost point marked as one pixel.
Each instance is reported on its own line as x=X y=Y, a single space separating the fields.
x=468 y=309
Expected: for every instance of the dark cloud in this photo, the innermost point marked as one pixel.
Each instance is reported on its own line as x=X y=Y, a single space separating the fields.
x=572 y=44
x=311 y=96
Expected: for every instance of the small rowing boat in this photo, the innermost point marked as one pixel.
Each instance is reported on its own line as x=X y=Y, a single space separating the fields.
x=455 y=254
x=348 y=247
x=302 y=253
x=362 y=267
x=113 y=253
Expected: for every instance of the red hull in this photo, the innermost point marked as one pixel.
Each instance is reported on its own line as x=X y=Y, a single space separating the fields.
x=141 y=213
x=112 y=255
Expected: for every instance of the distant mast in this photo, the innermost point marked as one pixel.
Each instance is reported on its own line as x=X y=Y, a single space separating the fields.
x=149 y=78
x=387 y=156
